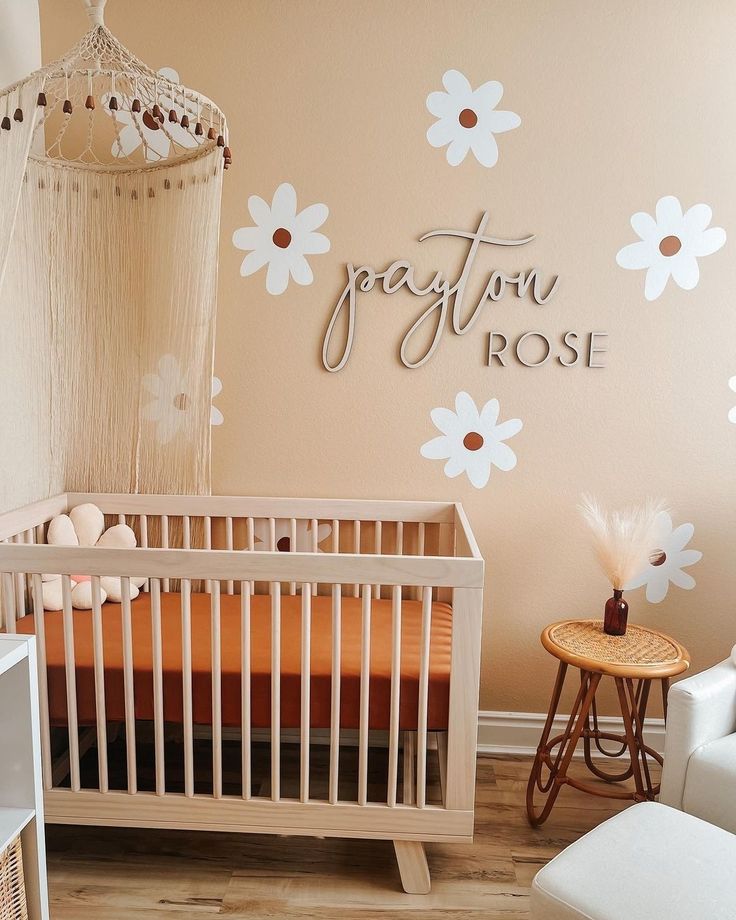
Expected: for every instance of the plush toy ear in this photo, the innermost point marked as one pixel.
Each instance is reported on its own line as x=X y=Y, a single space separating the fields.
x=119 y=537
x=113 y=587
x=51 y=595
x=89 y=522
x=61 y=531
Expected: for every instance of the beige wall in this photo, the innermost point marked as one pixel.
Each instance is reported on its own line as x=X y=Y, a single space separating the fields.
x=621 y=103
x=20 y=39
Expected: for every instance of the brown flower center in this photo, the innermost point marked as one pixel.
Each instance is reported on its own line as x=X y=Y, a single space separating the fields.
x=150 y=122
x=468 y=118
x=657 y=557
x=670 y=246
x=284 y=545
x=181 y=402
x=473 y=441
x=281 y=237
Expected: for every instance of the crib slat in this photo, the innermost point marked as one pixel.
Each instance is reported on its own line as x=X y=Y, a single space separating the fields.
x=20 y=594
x=245 y=736
x=275 y=589
x=128 y=685
x=216 y=693
x=230 y=588
x=143 y=527
x=335 y=693
x=71 y=683
x=420 y=550
x=43 y=689
x=305 y=693
x=250 y=533
x=365 y=667
x=186 y=667
x=186 y=532
x=399 y=538
x=165 y=544
x=99 y=668
x=356 y=550
x=9 y=602
x=208 y=545
x=423 y=697
x=158 y=686
x=292 y=549
x=272 y=534
x=378 y=544
x=335 y=536
x=409 y=763
x=393 y=734
x=272 y=537
x=28 y=578
x=313 y=529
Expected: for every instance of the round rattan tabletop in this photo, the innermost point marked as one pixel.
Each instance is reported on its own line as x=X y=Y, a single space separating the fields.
x=641 y=652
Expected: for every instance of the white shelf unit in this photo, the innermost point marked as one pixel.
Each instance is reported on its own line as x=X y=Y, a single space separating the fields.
x=21 y=791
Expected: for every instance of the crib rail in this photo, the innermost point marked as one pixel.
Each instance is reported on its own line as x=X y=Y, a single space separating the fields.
x=283 y=508
x=263 y=566
x=337 y=552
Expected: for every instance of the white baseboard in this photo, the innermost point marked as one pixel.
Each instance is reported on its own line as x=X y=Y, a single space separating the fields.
x=498 y=732
x=519 y=732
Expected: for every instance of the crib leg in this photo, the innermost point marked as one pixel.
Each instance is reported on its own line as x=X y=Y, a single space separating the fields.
x=413 y=866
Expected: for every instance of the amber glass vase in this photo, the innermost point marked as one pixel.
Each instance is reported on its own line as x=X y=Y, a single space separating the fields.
x=617 y=613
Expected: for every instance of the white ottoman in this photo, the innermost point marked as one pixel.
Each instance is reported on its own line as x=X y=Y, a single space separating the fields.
x=650 y=862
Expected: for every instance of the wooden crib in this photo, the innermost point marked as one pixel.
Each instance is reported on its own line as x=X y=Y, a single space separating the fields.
x=290 y=666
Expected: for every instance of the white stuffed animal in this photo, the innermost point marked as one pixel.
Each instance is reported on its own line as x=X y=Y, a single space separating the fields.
x=85 y=526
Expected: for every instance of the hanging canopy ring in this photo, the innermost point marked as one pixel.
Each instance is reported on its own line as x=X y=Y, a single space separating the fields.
x=122 y=98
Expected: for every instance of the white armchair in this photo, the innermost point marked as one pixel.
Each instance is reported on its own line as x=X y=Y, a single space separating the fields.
x=699 y=774
x=668 y=864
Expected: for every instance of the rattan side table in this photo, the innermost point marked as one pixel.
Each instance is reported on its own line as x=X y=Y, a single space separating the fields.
x=633 y=661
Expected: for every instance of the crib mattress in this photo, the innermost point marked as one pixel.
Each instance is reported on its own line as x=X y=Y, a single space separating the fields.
x=321 y=656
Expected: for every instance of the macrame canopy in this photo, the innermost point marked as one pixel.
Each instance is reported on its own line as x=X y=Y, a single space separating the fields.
x=111 y=182
x=100 y=89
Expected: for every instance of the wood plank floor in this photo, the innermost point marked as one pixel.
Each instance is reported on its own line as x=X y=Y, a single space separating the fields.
x=116 y=873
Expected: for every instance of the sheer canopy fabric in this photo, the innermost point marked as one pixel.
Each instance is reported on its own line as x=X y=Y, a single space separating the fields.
x=108 y=277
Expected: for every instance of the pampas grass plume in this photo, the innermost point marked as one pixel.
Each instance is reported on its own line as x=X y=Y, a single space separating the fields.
x=622 y=540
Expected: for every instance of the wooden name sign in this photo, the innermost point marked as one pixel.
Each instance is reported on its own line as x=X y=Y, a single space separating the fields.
x=532 y=349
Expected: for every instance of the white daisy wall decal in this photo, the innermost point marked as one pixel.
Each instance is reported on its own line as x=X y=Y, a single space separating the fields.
x=283 y=535
x=732 y=412
x=216 y=417
x=667 y=560
x=471 y=441
x=467 y=119
x=282 y=238
x=670 y=244
x=141 y=129
x=171 y=398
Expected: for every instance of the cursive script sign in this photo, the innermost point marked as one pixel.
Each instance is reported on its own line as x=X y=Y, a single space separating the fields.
x=447 y=300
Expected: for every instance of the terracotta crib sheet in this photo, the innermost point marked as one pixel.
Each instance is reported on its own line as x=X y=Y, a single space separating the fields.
x=321 y=651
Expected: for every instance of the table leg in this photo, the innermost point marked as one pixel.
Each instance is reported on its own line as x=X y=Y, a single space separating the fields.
x=551 y=713
x=639 y=713
x=629 y=713
x=565 y=744
x=597 y=735
x=665 y=692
